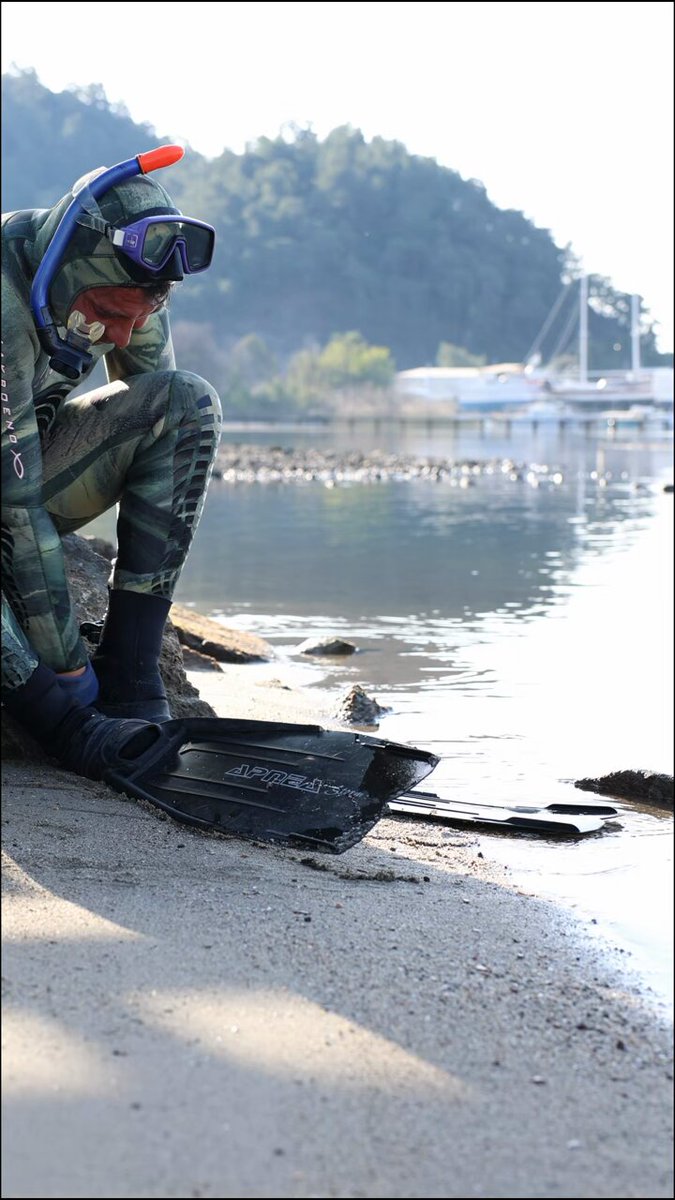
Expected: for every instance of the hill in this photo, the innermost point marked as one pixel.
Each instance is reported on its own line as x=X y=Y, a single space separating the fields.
x=319 y=237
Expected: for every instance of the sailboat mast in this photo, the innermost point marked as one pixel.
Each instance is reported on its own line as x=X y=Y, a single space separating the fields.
x=635 y=332
x=583 y=329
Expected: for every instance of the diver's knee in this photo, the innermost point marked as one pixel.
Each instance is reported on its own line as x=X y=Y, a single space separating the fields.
x=192 y=397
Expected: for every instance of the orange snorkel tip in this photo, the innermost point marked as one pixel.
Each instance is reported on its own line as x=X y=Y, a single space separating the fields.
x=163 y=156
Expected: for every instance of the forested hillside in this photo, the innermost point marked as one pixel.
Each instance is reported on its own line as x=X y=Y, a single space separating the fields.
x=317 y=238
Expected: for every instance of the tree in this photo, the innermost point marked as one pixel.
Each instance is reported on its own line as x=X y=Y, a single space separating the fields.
x=348 y=360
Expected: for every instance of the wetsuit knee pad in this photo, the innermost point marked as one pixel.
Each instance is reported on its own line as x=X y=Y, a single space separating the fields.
x=191 y=397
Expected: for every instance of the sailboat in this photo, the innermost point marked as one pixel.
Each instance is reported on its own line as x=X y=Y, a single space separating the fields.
x=621 y=391
x=532 y=390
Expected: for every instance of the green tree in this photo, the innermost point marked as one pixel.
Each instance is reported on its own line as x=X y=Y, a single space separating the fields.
x=304 y=381
x=348 y=361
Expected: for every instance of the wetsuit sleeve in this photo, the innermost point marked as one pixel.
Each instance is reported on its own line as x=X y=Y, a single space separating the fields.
x=150 y=349
x=33 y=569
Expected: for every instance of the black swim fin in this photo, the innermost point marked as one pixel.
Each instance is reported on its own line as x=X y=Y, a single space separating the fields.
x=570 y=822
x=272 y=781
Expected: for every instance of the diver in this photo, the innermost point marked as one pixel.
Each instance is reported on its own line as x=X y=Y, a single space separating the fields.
x=90 y=279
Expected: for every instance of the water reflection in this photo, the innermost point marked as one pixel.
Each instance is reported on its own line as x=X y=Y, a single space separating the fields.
x=521 y=627
x=396 y=548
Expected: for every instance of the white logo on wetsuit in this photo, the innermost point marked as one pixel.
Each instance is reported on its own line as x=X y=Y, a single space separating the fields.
x=9 y=424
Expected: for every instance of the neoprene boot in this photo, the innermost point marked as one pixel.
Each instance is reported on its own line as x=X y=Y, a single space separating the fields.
x=126 y=661
x=80 y=738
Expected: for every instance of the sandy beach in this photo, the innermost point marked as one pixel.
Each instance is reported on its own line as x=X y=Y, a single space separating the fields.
x=187 y=1015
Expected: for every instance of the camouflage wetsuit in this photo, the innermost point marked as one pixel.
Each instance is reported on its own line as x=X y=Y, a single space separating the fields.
x=145 y=441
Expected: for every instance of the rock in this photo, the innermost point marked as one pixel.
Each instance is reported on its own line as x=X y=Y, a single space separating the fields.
x=209 y=637
x=88 y=573
x=100 y=546
x=15 y=742
x=327 y=646
x=646 y=786
x=194 y=661
x=357 y=708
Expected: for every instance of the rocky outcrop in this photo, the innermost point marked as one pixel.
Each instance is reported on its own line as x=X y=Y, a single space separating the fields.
x=648 y=787
x=328 y=646
x=357 y=708
x=88 y=571
x=209 y=637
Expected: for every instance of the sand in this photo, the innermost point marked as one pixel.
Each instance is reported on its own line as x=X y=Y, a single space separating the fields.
x=187 y=1015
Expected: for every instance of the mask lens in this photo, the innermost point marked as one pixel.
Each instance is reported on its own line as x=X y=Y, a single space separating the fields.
x=162 y=236
x=157 y=243
x=198 y=246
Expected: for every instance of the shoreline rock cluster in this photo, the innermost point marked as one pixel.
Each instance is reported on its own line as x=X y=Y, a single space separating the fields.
x=245 y=463
x=242 y=463
x=649 y=787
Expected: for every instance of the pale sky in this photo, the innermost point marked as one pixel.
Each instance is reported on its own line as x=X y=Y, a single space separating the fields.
x=564 y=111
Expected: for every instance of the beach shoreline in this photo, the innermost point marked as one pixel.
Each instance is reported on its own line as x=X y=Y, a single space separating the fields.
x=190 y=1015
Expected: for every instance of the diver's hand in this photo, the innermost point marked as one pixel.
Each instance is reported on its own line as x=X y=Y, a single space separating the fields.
x=80 y=685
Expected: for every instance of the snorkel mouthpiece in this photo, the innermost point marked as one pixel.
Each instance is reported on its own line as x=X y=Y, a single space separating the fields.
x=70 y=356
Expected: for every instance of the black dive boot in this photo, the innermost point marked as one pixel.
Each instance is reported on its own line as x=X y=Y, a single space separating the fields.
x=80 y=738
x=126 y=661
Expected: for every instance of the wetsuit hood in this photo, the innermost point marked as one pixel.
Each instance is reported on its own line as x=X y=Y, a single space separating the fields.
x=90 y=260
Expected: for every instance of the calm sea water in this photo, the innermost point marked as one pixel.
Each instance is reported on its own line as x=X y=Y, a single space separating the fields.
x=518 y=622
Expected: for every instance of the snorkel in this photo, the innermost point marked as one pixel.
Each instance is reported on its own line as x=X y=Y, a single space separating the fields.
x=71 y=357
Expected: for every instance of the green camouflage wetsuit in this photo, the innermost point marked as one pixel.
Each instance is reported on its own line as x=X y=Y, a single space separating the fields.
x=146 y=441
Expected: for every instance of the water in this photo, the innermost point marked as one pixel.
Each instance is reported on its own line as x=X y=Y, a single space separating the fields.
x=517 y=622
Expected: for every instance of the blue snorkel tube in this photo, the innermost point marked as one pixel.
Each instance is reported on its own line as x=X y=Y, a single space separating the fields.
x=71 y=357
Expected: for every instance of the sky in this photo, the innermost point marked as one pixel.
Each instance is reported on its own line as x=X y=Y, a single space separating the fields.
x=564 y=111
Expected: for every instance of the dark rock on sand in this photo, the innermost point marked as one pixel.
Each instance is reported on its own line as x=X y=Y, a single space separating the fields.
x=645 y=786
x=357 y=708
x=327 y=646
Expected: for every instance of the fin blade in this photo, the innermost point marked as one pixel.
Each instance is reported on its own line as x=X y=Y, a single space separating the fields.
x=274 y=781
x=538 y=822
x=570 y=807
